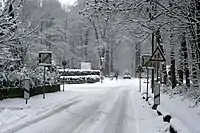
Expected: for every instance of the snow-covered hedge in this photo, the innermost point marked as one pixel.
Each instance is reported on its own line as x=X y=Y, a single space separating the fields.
x=19 y=92
x=80 y=79
x=78 y=72
x=15 y=78
x=79 y=76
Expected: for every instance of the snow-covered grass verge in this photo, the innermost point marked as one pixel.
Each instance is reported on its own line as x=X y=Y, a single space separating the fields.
x=181 y=109
x=14 y=113
x=185 y=118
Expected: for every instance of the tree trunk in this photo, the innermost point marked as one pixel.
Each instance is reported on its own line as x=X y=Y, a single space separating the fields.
x=172 y=67
x=86 y=43
x=187 y=75
x=185 y=56
x=198 y=31
x=112 y=59
x=107 y=60
x=164 y=73
x=180 y=75
x=181 y=61
x=172 y=73
x=194 y=57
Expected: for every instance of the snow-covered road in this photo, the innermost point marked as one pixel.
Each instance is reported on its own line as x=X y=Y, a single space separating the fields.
x=112 y=107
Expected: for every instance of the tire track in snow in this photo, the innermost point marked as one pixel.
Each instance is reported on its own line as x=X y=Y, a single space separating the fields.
x=134 y=99
x=115 y=119
x=85 y=114
x=77 y=119
x=42 y=116
x=96 y=114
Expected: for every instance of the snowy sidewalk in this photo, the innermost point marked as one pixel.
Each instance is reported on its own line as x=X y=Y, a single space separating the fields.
x=181 y=110
x=184 y=118
x=15 y=112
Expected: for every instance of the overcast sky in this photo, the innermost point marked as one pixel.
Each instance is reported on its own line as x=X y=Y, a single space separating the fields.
x=67 y=2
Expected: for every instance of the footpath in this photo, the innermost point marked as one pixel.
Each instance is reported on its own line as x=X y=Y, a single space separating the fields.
x=177 y=111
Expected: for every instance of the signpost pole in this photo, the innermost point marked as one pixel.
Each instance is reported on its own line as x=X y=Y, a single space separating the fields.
x=157 y=73
x=139 y=71
x=63 y=80
x=64 y=63
x=44 y=84
x=147 y=84
x=153 y=72
x=140 y=87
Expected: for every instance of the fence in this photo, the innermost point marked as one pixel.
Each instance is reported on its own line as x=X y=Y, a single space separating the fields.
x=19 y=92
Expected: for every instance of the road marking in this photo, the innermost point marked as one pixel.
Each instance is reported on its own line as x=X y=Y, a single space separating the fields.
x=135 y=112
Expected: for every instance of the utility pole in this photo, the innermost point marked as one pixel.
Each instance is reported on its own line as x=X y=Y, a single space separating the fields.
x=137 y=59
x=152 y=74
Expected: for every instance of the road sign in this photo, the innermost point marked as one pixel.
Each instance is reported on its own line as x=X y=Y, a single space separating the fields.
x=45 y=58
x=139 y=69
x=145 y=60
x=157 y=55
x=86 y=65
x=64 y=63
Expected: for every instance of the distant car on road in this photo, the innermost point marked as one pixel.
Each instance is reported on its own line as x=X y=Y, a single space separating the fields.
x=111 y=76
x=127 y=75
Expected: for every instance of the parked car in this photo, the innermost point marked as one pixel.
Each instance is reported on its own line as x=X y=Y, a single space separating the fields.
x=127 y=75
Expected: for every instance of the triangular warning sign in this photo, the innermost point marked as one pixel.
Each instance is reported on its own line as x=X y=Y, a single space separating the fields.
x=157 y=55
x=139 y=69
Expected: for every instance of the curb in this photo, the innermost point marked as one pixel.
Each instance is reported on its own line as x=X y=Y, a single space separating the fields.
x=161 y=112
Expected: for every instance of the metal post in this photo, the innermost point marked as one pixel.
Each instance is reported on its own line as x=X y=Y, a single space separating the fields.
x=63 y=80
x=147 y=84
x=157 y=73
x=140 y=88
x=152 y=74
x=44 y=85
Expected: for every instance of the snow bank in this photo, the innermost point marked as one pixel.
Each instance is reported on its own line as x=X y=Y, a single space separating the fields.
x=162 y=110
x=184 y=118
x=14 y=112
x=179 y=126
x=181 y=110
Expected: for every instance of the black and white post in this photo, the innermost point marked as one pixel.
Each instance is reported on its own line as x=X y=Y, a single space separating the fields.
x=27 y=89
x=156 y=95
x=44 y=89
